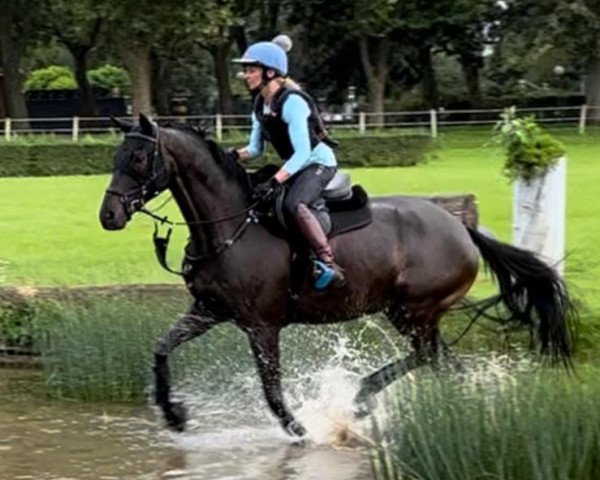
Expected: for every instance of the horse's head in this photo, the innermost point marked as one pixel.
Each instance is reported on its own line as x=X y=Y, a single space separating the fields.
x=139 y=173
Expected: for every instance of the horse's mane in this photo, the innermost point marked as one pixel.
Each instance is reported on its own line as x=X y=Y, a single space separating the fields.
x=232 y=169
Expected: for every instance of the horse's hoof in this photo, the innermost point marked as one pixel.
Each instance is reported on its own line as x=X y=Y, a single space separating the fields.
x=295 y=429
x=362 y=397
x=176 y=417
x=361 y=411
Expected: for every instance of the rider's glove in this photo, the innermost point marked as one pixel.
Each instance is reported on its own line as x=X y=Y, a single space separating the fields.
x=267 y=190
x=232 y=155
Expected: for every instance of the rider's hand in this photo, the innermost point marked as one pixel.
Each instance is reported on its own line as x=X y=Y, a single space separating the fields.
x=266 y=191
x=232 y=155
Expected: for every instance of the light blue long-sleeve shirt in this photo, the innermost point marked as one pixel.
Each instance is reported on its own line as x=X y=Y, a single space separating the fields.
x=295 y=112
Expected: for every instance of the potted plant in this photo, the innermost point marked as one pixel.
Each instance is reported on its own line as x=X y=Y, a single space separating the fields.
x=535 y=162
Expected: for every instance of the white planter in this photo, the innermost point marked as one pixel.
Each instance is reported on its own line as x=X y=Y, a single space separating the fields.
x=539 y=212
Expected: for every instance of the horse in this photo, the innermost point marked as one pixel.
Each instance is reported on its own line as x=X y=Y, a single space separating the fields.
x=413 y=262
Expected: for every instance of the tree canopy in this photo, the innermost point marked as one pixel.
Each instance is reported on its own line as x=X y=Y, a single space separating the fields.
x=393 y=51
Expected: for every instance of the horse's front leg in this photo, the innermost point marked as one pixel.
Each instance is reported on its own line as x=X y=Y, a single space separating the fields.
x=193 y=324
x=265 y=346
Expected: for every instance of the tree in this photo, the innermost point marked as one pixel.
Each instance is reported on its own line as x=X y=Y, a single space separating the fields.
x=367 y=25
x=136 y=26
x=18 y=29
x=77 y=26
x=570 y=26
x=576 y=25
x=465 y=32
x=393 y=36
x=222 y=25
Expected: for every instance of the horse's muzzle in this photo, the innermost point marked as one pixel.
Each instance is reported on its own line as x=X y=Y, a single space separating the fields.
x=112 y=214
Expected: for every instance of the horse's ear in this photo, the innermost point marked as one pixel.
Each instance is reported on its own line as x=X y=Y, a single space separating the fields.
x=147 y=126
x=124 y=125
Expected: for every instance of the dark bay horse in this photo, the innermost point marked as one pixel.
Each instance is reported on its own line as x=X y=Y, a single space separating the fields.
x=413 y=262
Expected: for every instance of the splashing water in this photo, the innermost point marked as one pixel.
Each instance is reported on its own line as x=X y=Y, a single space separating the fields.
x=319 y=390
x=321 y=376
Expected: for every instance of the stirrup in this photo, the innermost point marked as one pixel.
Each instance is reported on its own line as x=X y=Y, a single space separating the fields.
x=323 y=274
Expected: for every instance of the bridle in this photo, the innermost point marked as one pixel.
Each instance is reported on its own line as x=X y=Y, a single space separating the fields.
x=133 y=201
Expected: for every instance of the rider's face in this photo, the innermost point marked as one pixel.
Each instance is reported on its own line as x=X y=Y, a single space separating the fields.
x=253 y=76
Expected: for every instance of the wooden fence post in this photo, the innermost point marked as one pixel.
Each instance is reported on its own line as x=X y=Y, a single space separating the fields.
x=362 y=123
x=582 y=119
x=219 y=126
x=75 y=129
x=433 y=123
x=7 y=127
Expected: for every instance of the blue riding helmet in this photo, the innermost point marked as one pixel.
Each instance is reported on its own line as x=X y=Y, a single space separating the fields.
x=266 y=54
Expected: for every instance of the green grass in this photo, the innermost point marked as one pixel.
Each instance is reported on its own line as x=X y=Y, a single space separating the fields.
x=51 y=234
x=505 y=427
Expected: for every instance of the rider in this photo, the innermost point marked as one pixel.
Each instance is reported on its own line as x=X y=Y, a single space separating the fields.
x=287 y=118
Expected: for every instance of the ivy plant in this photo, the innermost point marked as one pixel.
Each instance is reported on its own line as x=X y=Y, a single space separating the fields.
x=530 y=150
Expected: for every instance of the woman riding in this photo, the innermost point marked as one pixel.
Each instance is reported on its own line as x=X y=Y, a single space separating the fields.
x=286 y=117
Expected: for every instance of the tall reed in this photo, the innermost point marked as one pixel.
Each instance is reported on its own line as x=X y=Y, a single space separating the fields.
x=103 y=349
x=539 y=426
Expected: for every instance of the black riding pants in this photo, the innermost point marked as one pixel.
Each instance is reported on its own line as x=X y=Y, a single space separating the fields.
x=306 y=187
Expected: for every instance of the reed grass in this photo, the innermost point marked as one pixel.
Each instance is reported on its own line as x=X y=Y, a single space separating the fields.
x=529 y=426
x=102 y=349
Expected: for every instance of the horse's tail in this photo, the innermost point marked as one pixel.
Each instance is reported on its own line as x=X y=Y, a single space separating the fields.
x=533 y=293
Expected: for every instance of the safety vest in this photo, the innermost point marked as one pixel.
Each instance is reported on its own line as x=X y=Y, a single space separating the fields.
x=275 y=130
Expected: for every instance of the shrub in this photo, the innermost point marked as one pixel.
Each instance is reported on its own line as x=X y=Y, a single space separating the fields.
x=109 y=77
x=54 y=77
x=530 y=150
x=66 y=158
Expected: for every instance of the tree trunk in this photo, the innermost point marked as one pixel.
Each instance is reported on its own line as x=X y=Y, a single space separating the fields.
x=88 y=107
x=238 y=34
x=592 y=90
x=11 y=50
x=376 y=97
x=376 y=71
x=429 y=90
x=136 y=57
x=470 y=68
x=160 y=85
x=220 y=54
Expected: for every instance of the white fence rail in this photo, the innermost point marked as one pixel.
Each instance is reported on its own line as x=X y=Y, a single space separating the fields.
x=431 y=121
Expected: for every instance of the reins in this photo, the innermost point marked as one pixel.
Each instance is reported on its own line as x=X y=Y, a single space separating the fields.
x=165 y=220
x=161 y=244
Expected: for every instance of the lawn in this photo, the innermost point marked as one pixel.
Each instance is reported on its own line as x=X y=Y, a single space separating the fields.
x=51 y=234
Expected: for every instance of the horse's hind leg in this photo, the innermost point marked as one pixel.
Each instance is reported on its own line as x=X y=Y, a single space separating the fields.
x=264 y=341
x=193 y=324
x=425 y=339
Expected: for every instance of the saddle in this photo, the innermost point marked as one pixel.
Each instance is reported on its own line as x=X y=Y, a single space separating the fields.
x=341 y=208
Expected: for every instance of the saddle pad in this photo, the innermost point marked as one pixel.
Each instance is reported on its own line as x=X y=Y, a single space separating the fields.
x=350 y=214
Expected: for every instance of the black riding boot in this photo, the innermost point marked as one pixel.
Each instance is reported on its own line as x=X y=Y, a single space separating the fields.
x=311 y=229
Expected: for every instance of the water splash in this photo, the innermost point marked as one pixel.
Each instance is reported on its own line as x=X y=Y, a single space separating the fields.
x=319 y=387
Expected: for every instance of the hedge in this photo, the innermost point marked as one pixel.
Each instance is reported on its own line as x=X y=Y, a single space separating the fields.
x=62 y=158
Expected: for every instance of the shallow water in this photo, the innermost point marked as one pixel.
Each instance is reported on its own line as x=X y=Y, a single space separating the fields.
x=228 y=438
